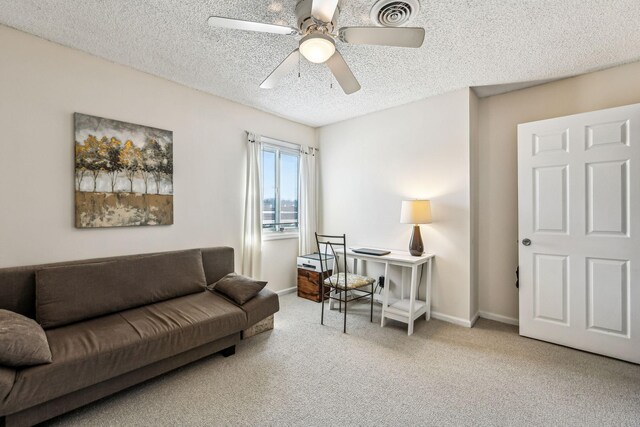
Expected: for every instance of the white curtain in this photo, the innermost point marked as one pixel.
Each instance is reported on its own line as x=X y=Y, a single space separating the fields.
x=308 y=200
x=252 y=236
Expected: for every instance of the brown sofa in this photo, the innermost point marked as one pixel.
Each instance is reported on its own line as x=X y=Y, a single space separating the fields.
x=115 y=322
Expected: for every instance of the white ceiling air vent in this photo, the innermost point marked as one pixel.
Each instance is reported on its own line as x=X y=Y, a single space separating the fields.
x=394 y=13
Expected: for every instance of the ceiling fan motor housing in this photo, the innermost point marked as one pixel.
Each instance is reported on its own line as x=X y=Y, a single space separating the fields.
x=306 y=23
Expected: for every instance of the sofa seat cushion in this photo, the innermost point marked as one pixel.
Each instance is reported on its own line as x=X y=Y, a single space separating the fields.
x=261 y=306
x=188 y=314
x=92 y=351
x=7 y=377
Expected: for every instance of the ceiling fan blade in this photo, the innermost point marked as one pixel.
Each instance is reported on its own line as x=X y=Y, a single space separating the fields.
x=343 y=74
x=238 y=24
x=384 y=36
x=323 y=10
x=281 y=70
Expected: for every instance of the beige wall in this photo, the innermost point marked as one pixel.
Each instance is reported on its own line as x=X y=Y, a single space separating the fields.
x=420 y=150
x=42 y=84
x=497 y=177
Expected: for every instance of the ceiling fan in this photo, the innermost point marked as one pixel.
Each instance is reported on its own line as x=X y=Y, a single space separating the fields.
x=317 y=33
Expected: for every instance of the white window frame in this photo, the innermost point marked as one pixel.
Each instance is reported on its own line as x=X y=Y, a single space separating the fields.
x=289 y=148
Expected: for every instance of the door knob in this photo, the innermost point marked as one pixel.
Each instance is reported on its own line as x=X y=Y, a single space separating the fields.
x=526 y=242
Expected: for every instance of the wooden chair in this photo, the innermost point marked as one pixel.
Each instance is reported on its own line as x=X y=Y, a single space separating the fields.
x=341 y=283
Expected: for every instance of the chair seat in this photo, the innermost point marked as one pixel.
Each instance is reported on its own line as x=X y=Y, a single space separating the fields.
x=354 y=281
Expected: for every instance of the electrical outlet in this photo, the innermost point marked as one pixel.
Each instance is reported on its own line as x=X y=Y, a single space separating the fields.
x=381 y=281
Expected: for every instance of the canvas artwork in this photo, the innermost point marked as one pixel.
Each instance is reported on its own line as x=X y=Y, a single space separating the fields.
x=123 y=173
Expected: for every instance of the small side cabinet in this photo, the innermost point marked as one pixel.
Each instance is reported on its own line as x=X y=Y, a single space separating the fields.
x=309 y=284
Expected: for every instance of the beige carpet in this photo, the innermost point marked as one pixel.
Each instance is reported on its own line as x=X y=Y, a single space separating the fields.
x=303 y=373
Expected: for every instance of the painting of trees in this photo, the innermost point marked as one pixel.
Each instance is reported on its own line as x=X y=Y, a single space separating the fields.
x=122 y=183
x=80 y=163
x=151 y=161
x=131 y=160
x=94 y=157
x=167 y=164
x=113 y=165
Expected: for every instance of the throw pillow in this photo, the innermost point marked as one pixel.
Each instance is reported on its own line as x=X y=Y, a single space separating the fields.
x=22 y=341
x=238 y=288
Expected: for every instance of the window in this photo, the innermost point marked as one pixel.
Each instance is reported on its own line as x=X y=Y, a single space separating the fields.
x=279 y=188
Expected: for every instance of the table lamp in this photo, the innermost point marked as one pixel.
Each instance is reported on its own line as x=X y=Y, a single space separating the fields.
x=416 y=212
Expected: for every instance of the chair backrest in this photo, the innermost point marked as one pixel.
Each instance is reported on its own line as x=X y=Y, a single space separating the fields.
x=327 y=246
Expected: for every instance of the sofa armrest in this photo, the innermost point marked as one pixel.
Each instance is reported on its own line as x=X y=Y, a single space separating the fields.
x=261 y=306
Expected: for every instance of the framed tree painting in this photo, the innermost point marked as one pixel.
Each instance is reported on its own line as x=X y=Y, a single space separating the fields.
x=123 y=173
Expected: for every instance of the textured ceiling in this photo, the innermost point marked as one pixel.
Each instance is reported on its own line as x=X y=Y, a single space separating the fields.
x=468 y=43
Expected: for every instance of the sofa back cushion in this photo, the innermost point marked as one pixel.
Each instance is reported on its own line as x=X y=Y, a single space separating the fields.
x=71 y=293
x=217 y=262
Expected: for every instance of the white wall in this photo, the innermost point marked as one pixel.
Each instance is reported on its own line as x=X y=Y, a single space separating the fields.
x=420 y=150
x=279 y=265
x=42 y=84
x=474 y=163
x=498 y=206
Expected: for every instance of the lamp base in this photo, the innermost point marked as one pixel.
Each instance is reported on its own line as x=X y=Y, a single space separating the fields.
x=416 y=248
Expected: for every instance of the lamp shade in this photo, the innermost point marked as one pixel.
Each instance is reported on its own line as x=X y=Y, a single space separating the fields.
x=415 y=212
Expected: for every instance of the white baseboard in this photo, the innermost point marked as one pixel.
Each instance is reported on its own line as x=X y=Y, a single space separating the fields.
x=475 y=318
x=451 y=319
x=498 y=318
x=441 y=316
x=287 y=291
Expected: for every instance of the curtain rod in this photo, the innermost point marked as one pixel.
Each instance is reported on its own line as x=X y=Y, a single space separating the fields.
x=268 y=139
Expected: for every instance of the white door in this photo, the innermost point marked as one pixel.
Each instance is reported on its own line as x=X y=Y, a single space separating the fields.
x=579 y=231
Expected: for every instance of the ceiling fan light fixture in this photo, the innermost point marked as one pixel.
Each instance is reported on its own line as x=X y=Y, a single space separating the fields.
x=317 y=48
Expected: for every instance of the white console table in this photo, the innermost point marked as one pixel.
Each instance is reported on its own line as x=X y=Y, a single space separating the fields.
x=406 y=309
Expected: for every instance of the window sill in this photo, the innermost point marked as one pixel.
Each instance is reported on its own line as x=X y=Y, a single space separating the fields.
x=279 y=236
